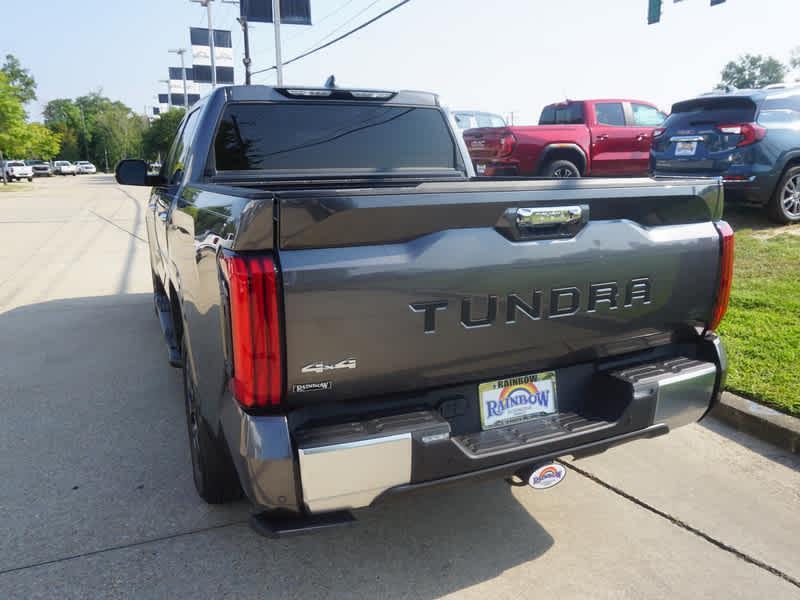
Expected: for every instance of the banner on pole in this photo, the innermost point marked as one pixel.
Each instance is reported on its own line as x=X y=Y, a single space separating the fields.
x=293 y=12
x=201 y=48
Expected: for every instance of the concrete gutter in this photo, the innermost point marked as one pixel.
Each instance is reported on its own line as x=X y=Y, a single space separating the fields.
x=760 y=421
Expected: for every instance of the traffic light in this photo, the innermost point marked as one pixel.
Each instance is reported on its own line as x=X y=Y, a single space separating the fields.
x=654 y=9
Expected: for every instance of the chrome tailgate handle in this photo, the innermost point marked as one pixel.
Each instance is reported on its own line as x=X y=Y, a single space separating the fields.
x=543 y=222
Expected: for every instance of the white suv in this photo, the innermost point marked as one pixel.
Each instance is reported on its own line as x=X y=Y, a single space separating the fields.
x=64 y=167
x=85 y=167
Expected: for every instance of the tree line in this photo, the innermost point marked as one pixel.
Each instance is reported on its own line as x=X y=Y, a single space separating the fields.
x=753 y=71
x=91 y=127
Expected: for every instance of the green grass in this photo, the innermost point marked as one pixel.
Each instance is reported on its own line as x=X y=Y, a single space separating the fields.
x=762 y=327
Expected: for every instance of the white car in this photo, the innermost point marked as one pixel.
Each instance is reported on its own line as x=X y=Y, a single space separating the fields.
x=16 y=170
x=85 y=167
x=64 y=167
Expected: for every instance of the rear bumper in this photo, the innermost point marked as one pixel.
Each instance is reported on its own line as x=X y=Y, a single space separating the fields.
x=496 y=167
x=354 y=464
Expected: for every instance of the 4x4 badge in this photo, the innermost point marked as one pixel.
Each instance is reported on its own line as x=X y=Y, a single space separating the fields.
x=348 y=363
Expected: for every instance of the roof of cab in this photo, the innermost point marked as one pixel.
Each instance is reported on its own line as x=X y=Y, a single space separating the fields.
x=245 y=93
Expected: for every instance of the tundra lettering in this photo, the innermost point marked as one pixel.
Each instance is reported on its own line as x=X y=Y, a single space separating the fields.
x=564 y=302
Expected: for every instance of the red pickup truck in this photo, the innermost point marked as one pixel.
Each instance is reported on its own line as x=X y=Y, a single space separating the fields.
x=576 y=138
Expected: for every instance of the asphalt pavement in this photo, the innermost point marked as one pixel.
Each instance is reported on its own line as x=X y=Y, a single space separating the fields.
x=97 y=500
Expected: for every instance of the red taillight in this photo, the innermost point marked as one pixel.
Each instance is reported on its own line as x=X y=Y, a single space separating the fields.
x=507 y=143
x=750 y=132
x=725 y=274
x=255 y=330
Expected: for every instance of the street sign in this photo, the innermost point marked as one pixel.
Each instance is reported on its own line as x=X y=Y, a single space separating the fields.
x=293 y=12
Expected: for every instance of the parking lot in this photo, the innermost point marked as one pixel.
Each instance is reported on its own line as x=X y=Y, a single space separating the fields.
x=97 y=499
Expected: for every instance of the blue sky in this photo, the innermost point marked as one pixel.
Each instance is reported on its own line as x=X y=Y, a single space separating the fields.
x=506 y=55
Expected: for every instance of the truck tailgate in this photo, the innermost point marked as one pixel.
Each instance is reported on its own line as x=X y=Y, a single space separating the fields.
x=400 y=290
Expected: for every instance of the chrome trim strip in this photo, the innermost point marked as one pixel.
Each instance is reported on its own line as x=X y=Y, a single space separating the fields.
x=687 y=138
x=356 y=444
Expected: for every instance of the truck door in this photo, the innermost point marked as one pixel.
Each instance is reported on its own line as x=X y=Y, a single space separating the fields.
x=164 y=198
x=613 y=144
x=643 y=119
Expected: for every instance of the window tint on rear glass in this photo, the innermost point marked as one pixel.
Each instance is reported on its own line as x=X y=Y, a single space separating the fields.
x=711 y=111
x=562 y=114
x=647 y=116
x=365 y=138
x=780 y=110
x=610 y=113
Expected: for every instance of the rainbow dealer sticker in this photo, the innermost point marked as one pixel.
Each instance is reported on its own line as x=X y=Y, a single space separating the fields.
x=517 y=399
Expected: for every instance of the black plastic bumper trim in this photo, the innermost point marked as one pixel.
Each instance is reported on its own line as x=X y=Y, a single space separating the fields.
x=507 y=469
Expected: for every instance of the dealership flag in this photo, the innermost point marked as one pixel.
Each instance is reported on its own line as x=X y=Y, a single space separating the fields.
x=201 y=49
x=176 y=82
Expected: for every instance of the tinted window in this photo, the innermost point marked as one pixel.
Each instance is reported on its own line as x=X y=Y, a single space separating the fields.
x=647 y=116
x=489 y=120
x=16 y=163
x=777 y=110
x=176 y=163
x=312 y=137
x=610 y=113
x=562 y=114
x=710 y=111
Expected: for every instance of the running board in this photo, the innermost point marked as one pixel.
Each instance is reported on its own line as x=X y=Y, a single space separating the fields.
x=167 y=328
x=278 y=526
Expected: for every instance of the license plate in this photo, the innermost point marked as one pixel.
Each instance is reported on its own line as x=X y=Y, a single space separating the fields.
x=685 y=148
x=480 y=169
x=516 y=399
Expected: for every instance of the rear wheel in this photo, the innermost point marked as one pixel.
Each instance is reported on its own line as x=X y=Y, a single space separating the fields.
x=214 y=475
x=561 y=169
x=30 y=178
x=784 y=206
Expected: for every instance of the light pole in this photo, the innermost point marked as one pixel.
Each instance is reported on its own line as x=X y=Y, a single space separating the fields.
x=169 y=94
x=180 y=52
x=276 y=20
x=207 y=4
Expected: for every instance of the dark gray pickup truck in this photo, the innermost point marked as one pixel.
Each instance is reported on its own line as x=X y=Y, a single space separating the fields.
x=356 y=315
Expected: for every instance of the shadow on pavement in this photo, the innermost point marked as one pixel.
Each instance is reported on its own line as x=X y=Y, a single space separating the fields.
x=764 y=449
x=92 y=427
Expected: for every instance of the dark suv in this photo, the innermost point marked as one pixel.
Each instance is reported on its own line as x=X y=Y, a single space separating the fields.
x=750 y=138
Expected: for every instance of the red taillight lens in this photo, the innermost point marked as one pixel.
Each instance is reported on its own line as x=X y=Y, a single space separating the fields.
x=750 y=132
x=255 y=330
x=507 y=143
x=725 y=274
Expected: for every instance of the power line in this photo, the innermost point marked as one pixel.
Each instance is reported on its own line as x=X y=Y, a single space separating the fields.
x=341 y=37
x=321 y=21
x=350 y=20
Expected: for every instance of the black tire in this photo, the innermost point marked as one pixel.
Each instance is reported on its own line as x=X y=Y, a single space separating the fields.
x=561 y=169
x=784 y=206
x=30 y=179
x=74 y=174
x=215 y=477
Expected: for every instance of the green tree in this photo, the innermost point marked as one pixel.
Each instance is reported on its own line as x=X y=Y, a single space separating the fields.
x=752 y=71
x=20 y=79
x=39 y=142
x=12 y=117
x=157 y=140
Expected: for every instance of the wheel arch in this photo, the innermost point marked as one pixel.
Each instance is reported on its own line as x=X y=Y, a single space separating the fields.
x=563 y=151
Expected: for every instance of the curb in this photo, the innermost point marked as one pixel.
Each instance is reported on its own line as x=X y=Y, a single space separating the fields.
x=760 y=421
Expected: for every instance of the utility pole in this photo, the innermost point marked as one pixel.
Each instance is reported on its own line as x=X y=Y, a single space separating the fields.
x=169 y=93
x=276 y=19
x=247 y=60
x=180 y=52
x=85 y=135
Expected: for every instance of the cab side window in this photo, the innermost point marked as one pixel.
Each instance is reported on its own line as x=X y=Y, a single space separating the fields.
x=647 y=116
x=610 y=113
x=175 y=165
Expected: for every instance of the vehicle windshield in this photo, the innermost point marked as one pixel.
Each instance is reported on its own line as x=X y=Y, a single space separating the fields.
x=365 y=139
x=62 y=163
x=16 y=163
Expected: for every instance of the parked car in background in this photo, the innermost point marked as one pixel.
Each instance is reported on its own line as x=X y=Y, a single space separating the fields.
x=17 y=170
x=64 y=167
x=41 y=168
x=84 y=167
x=575 y=138
x=749 y=138
x=471 y=119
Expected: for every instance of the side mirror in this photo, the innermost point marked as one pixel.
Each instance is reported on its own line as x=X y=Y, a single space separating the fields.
x=134 y=172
